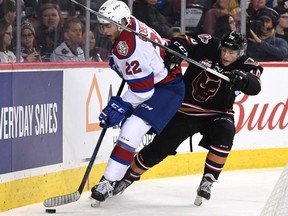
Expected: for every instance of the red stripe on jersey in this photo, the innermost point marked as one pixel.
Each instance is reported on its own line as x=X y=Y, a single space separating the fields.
x=172 y=75
x=142 y=85
x=123 y=154
x=162 y=50
x=125 y=45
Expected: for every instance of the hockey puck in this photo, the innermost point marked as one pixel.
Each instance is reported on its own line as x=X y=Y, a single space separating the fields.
x=50 y=211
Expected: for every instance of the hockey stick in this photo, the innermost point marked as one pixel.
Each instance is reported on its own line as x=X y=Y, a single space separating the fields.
x=73 y=197
x=154 y=42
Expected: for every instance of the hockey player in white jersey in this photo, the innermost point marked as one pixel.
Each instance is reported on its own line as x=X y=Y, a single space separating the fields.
x=154 y=94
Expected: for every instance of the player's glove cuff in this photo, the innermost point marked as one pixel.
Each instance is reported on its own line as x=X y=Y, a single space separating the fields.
x=114 y=112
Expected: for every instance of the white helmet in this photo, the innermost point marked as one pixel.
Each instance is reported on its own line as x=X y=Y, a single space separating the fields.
x=114 y=10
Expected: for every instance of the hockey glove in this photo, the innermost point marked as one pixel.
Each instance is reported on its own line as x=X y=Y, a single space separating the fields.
x=113 y=67
x=238 y=80
x=114 y=112
x=179 y=45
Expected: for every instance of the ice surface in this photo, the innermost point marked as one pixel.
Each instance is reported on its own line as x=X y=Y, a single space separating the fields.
x=237 y=193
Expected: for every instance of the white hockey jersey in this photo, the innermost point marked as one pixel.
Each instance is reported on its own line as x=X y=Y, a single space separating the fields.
x=139 y=61
x=64 y=54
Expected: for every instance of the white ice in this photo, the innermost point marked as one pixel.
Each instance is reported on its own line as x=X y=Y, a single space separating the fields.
x=238 y=193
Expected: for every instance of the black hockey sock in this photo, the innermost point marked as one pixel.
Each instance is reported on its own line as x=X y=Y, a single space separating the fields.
x=132 y=175
x=213 y=168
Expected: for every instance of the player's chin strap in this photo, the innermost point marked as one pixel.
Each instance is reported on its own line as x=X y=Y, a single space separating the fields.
x=154 y=42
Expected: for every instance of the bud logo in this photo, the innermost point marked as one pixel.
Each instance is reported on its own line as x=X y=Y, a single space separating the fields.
x=260 y=117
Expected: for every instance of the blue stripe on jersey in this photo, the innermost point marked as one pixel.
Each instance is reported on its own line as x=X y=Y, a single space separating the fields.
x=143 y=84
x=119 y=160
x=125 y=146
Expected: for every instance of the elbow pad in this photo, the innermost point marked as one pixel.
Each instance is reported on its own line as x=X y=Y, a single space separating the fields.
x=253 y=86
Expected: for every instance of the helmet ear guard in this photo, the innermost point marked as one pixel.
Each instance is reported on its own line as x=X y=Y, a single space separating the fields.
x=234 y=41
x=114 y=10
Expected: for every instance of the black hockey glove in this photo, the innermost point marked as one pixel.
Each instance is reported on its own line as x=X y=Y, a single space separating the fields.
x=179 y=45
x=238 y=80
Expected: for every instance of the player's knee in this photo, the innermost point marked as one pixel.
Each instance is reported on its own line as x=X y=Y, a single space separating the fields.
x=222 y=135
x=223 y=128
x=151 y=156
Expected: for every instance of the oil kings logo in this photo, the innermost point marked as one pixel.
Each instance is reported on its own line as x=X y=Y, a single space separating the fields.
x=29 y=120
x=122 y=48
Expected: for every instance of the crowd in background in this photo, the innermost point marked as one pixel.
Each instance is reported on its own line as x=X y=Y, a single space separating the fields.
x=54 y=30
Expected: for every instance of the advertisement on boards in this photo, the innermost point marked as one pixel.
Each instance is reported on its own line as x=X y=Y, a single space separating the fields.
x=31 y=106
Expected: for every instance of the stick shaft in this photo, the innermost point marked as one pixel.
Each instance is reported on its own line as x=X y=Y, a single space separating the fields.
x=73 y=197
x=95 y=152
x=154 y=42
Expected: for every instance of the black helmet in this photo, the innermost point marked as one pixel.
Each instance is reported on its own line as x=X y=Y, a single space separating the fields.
x=234 y=41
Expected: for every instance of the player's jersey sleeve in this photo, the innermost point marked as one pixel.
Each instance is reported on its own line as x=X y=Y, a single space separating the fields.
x=254 y=71
x=203 y=46
x=139 y=62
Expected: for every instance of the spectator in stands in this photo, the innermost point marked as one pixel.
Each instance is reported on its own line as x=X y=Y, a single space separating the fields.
x=264 y=45
x=97 y=54
x=1 y=11
x=225 y=23
x=103 y=43
x=196 y=23
x=282 y=26
x=220 y=8
x=168 y=9
x=253 y=6
x=206 y=4
x=8 y=8
x=6 y=36
x=65 y=5
x=31 y=12
x=94 y=5
x=70 y=49
x=146 y=11
x=252 y=22
x=93 y=54
x=49 y=31
x=28 y=50
x=282 y=3
x=269 y=3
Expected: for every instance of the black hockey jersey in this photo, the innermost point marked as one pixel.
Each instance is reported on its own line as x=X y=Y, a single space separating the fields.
x=207 y=94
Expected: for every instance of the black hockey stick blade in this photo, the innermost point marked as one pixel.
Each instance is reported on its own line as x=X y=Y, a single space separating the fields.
x=75 y=196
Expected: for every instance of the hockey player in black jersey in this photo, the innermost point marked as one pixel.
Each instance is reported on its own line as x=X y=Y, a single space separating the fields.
x=207 y=107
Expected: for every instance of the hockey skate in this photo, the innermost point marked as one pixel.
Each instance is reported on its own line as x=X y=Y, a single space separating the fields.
x=120 y=186
x=102 y=191
x=204 y=189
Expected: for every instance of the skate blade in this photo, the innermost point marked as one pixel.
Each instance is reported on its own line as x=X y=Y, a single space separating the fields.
x=198 y=201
